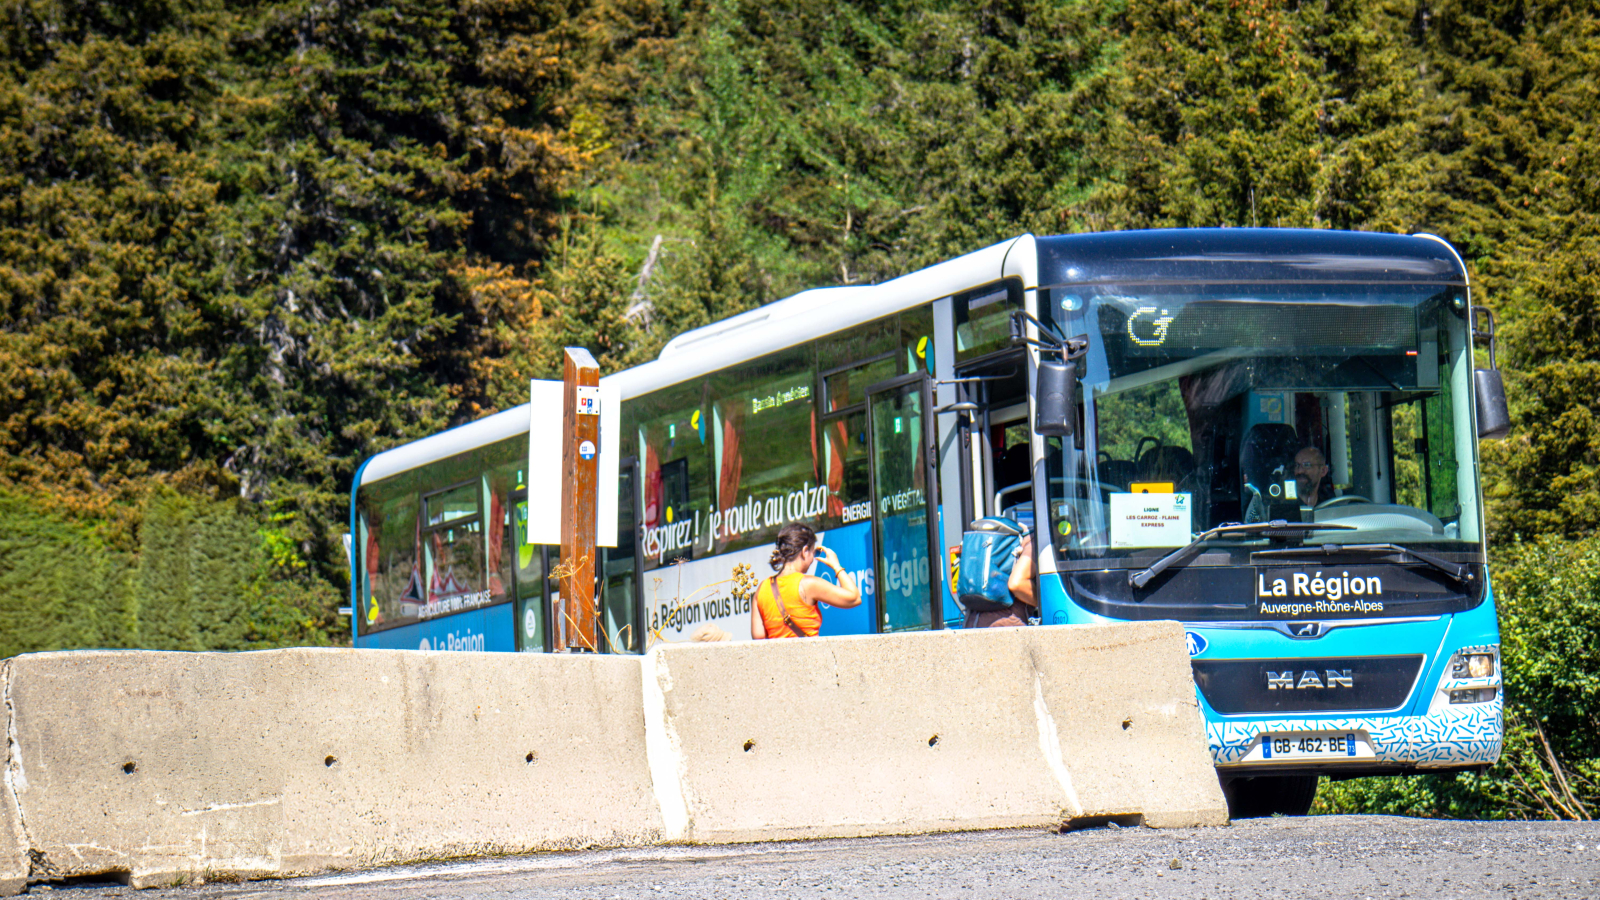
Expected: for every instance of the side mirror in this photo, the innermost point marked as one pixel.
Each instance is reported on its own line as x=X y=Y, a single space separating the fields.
x=1489 y=393
x=1488 y=390
x=1055 y=405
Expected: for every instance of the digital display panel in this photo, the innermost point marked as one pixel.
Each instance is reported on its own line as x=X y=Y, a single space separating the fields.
x=1165 y=326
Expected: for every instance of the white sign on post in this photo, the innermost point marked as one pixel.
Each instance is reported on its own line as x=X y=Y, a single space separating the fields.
x=544 y=459
x=588 y=400
x=1150 y=520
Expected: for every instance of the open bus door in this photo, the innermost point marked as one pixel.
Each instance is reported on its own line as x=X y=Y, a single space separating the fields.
x=996 y=477
x=989 y=450
x=904 y=503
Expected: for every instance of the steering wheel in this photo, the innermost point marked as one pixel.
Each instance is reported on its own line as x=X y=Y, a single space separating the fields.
x=1341 y=500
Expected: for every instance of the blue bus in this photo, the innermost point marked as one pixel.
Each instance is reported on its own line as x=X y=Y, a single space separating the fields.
x=1268 y=435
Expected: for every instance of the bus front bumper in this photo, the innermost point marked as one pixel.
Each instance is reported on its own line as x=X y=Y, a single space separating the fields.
x=1452 y=736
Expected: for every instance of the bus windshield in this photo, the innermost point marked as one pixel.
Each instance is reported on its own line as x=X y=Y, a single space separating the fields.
x=1316 y=403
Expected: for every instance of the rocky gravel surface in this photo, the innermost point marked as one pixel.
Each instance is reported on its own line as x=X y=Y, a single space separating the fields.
x=1314 y=858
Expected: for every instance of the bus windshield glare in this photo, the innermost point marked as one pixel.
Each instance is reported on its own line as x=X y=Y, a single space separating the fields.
x=1316 y=403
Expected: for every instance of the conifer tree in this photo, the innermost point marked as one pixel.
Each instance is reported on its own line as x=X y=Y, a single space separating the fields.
x=1523 y=201
x=243 y=246
x=105 y=209
x=1260 y=113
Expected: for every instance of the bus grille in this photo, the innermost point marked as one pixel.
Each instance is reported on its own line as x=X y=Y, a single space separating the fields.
x=1338 y=684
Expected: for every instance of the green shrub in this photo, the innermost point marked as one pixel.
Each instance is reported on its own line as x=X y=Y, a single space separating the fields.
x=203 y=576
x=60 y=585
x=1548 y=591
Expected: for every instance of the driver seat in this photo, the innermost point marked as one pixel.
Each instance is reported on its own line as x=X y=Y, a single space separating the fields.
x=1266 y=457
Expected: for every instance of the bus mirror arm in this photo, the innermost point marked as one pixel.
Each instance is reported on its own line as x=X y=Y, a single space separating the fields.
x=1055 y=407
x=1053 y=342
x=965 y=408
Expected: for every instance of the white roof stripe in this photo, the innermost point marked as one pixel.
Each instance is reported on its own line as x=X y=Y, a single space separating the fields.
x=764 y=330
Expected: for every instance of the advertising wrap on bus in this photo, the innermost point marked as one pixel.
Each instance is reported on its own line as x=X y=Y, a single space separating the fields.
x=489 y=628
x=685 y=598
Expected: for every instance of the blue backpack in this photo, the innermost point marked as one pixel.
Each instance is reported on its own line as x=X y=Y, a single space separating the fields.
x=988 y=551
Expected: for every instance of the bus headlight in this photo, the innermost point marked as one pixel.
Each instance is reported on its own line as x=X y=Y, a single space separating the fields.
x=1473 y=664
x=1473 y=676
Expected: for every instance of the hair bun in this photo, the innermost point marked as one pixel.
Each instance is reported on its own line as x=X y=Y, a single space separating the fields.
x=793 y=540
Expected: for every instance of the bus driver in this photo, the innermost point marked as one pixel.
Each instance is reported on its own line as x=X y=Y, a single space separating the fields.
x=1311 y=477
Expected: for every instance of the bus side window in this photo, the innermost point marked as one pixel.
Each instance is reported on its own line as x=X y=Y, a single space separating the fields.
x=369 y=562
x=674 y=434
x=453 y=546
x=505 y=462
x=766 y=448
x=390 y=561
x=844 y=464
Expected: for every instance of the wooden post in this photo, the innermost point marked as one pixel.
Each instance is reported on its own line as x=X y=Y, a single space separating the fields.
x=574 y=617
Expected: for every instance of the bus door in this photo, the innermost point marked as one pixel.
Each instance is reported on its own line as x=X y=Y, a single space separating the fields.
x=535 y=590
x=996 y=474
x=904 y=480
x=529 y=578
x=619 y=589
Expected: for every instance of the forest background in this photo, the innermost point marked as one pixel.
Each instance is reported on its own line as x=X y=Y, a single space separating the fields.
x=245 y=245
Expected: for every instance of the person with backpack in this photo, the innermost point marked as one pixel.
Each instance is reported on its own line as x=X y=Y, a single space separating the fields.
x=786 y=604
x=995 y=582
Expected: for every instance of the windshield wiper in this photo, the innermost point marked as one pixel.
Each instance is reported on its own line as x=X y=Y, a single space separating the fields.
x=1457 y=571
x=1275 y=528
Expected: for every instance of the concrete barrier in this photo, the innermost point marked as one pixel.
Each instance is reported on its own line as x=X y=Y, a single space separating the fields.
x=13 y=840
x=1129 y=726
x=898 y=734
x=182 y=767
x=172 y=767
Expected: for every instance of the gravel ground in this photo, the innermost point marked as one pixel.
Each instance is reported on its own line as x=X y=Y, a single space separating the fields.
x=1332 y=857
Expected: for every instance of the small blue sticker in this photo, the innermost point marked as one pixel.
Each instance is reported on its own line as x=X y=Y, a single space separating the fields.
x=1197 y=644
x=586 y=449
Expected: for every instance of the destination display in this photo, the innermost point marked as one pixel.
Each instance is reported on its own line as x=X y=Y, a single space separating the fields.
x=1186 y=325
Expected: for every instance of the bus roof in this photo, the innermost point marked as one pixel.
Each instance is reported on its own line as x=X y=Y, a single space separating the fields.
x=766 y=329
x=1196 y=255
x=1246 y=255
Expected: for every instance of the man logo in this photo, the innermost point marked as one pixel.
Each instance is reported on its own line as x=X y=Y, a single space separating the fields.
x=1330 y=678
x=1197 y=644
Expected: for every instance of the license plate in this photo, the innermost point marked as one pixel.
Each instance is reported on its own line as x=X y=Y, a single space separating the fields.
x=1300 y=746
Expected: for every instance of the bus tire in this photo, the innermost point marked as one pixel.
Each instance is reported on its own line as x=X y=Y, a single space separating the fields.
x=1269 y=795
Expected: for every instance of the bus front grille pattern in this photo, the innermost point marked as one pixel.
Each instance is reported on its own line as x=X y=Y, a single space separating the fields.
x=1342 y=684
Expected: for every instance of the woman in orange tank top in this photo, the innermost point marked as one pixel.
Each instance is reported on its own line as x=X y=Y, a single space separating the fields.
x=786 y=604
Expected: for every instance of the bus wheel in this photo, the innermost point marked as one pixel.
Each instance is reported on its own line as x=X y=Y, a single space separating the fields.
x=1269 y=795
